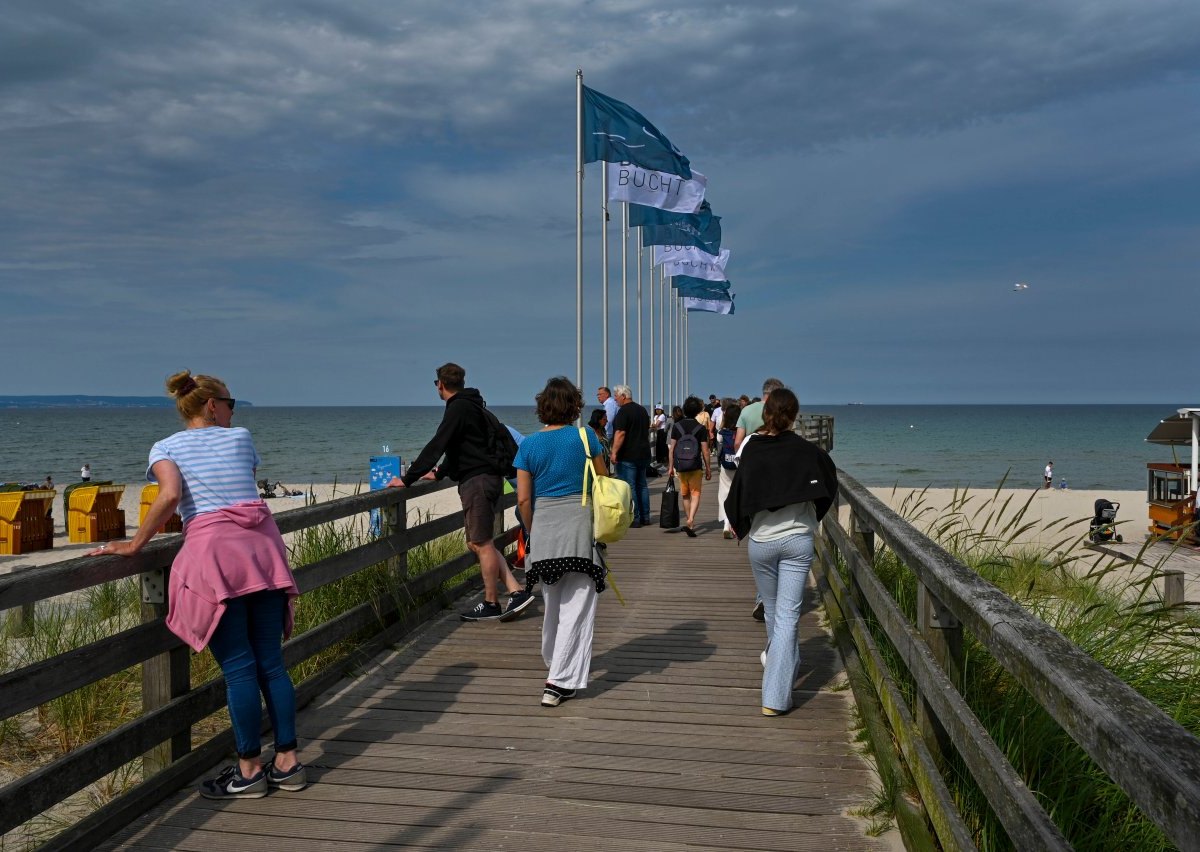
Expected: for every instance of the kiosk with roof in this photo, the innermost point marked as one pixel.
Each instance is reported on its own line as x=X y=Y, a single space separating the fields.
x=1171 y=488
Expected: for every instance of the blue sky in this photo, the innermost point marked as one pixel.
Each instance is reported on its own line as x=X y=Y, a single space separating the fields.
x=322 y=201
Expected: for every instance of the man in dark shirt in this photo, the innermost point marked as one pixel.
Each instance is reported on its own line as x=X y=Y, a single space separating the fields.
x=463 y=438
x=631 y=451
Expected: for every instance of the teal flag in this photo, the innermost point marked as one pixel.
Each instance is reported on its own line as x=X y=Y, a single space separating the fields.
x=615 y=132
x=685 y=234
x=640 y=215
x=686 y=285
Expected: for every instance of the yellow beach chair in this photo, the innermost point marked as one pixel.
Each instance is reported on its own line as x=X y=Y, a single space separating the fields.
x=26 y=524
x=94 y=511
x=149 y=495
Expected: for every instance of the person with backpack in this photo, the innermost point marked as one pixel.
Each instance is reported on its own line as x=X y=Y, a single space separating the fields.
x=687 y=456
x=727 y=460
x=479 y=454
x=563 y=555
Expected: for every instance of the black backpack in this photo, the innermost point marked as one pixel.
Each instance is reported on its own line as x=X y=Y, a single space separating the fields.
x=501 y=448
x=687 y=451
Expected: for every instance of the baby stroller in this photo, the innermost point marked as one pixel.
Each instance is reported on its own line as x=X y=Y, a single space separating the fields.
x=1104 y=524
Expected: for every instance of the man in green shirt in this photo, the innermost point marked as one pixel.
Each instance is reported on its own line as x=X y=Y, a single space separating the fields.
x=751 y=419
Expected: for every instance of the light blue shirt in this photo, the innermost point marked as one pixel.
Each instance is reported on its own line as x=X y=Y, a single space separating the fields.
x=611 y=407
x=217 y=465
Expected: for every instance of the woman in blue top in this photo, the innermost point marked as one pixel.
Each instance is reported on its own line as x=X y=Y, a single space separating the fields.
x=563 y=554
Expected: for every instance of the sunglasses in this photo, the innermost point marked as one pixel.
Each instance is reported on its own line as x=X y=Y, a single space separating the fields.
x=228 y=400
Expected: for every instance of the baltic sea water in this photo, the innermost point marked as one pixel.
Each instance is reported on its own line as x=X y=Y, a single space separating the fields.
x=1092 y=446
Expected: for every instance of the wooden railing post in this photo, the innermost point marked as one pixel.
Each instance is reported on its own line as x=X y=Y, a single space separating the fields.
x=20 y=621
x=393 y=520
x=943 y=634
x=164 y=677
x=1172 y=594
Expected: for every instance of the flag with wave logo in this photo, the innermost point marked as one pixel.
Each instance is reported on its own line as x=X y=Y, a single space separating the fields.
x=684 y=234
x=686 y=285
x=632 y=184
x=641 y=215
x=615 y=132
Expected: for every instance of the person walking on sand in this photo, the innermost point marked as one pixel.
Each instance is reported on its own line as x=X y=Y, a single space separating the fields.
x=688 y=455
x=1048 y=474
x=231 y=589
x=563 y=554
x=463 y=438
x=85 y=473
x=783 y=487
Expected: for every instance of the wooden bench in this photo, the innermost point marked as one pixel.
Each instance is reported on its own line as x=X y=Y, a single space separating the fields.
x=26 y=524
x=149 y=495
x=94 y=513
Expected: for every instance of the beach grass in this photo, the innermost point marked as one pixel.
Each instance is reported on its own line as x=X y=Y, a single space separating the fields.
x=1121 y=623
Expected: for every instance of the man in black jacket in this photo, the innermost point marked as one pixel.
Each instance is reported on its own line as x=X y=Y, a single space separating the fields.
x=463 y=437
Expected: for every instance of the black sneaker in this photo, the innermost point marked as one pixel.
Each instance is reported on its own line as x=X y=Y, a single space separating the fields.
x=231 y=785
x=483 y=611
x=294 y=780
x=517 y=602
x=552 y=695
x=636 y=525
x=760 y=612
x=691 y=533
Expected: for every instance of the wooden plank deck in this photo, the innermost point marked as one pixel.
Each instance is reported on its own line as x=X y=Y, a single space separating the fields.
x=443 y=744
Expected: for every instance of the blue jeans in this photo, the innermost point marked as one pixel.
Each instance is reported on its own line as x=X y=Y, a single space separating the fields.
x=780 y=571
x=247 y=645
x=634 y=473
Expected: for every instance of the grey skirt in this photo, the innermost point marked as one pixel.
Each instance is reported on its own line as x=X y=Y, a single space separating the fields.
x=561 y=541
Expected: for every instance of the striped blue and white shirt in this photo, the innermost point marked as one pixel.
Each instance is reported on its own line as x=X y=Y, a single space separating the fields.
x=217 y=464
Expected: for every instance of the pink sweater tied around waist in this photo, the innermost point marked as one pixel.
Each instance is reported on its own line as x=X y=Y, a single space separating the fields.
x=226 y=554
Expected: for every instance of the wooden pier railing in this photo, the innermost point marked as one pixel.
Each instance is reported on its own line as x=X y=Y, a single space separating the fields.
x=1146 y=753
x=162 y=734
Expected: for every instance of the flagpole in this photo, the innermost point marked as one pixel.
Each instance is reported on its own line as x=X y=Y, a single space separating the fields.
x=662 y=334
x=604 y=264
x=638 y=326
x=687 y=349
x=624 y=294
x=674 y=340
x=579 y=227
x=650 y=325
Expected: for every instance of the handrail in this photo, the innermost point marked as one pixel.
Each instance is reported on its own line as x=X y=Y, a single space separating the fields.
x=170 y=705
x=1155 y=760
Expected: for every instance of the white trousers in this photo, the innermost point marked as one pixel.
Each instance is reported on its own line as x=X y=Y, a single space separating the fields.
x=570 y=615
x=723 y=484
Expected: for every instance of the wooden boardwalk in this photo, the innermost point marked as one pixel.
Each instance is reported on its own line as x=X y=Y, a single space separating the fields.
x=443 y=744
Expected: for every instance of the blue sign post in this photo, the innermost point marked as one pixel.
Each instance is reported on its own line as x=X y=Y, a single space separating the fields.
x=383 y=468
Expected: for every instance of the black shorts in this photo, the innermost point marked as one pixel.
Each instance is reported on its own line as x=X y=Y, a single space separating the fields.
x=479 y=496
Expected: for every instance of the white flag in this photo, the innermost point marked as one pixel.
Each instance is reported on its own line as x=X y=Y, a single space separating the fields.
x=681 y=254
x=627 y=182
x=711 y=269
x=709 y=306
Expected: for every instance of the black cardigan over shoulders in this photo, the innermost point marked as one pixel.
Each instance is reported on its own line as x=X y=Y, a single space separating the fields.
x=776 y=471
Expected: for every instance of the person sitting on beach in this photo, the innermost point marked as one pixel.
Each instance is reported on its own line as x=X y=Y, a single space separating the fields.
x=463 y=438
x=563 y=554
x=231 y=589
x=49 y=483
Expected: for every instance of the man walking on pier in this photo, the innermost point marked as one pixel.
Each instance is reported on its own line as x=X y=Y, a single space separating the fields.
x=468 y=437
x=631 y=451
x=751 y=419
